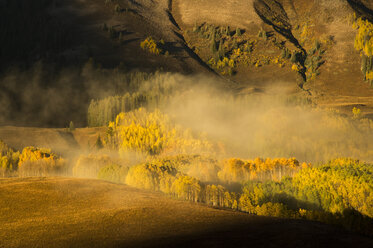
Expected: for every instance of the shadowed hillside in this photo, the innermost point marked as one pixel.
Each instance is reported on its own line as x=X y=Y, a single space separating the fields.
x=89 y=213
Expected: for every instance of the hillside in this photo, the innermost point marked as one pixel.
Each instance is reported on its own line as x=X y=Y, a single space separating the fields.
x=339 y=83
x=279 y=37
x=65 y=212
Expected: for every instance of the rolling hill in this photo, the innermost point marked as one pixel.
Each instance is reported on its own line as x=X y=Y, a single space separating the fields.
x=67 y=212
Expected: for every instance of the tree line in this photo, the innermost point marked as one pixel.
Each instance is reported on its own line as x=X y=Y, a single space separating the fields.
x=31 y=161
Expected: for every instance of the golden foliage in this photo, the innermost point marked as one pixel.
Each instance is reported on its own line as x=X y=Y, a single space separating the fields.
x=203 y=168
x=152 y=177
x=8 y=160
x=153 y=133
x=364 y=37
x=150 y=45
x=295 y=68
x=40 y=162
x=237 y=170
x=338 y=185
x=187 y=188
x=356 y=112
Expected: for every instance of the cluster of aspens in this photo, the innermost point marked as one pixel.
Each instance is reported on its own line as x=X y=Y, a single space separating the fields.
x=364 y=44
x=339 y=192
x=155 y=47
x=30 y=162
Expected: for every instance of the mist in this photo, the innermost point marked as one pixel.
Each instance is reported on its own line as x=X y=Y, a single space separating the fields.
x=49 y=96
x=274 y=123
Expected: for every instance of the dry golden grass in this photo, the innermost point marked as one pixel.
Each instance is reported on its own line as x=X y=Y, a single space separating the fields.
x=222 y=12
x=64 y=212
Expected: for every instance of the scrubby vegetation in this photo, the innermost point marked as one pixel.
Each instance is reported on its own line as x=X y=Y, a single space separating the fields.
x=229 y=50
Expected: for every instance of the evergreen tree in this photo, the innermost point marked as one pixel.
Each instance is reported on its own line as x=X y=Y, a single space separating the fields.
x=238 y=32
x=213 y=46
x=364 y=65
x=221 y=49
x=227 y=31
x=71 y=126
x=99 y=145
x=294 y=57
